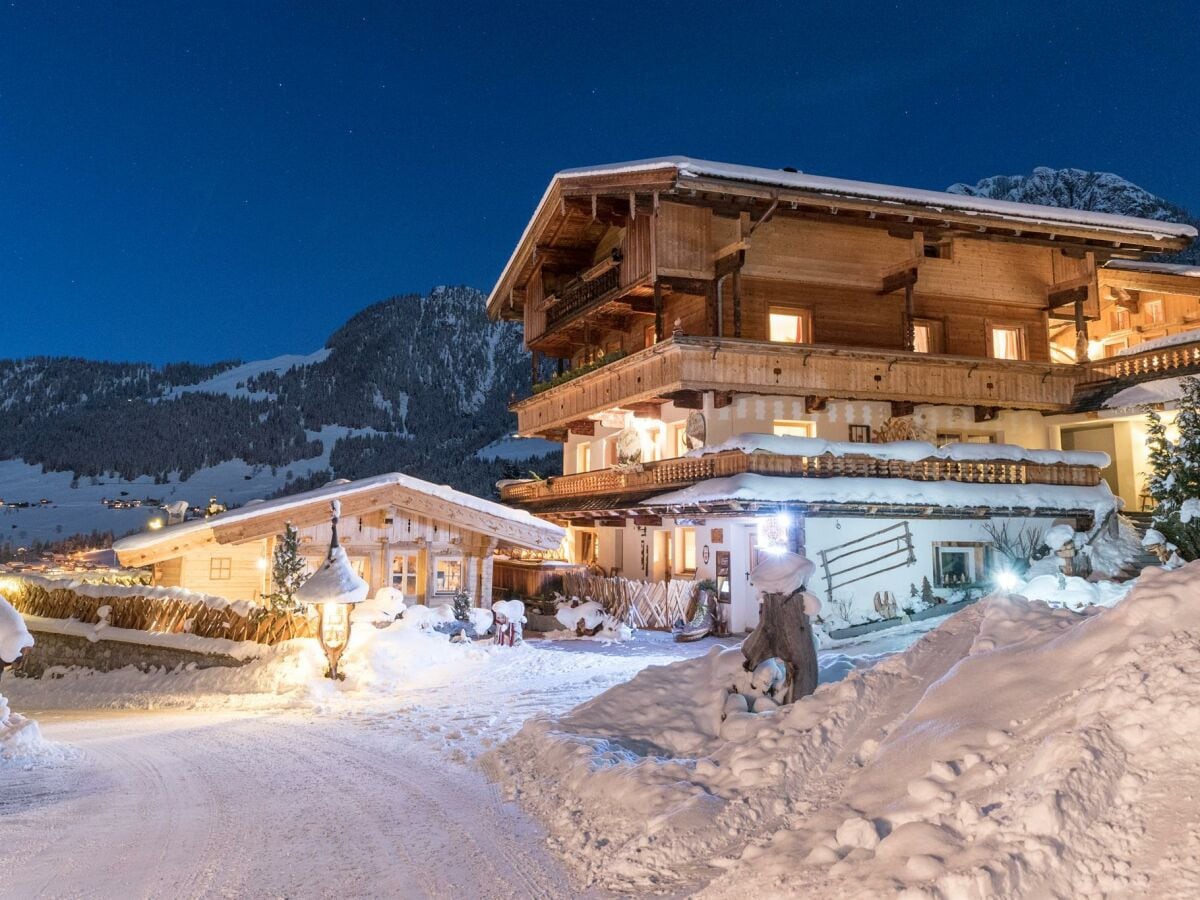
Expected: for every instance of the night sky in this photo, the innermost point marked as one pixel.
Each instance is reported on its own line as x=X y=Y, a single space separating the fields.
x=200 y=181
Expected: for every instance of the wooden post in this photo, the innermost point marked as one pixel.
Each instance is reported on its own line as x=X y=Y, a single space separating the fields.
x=534 y=366
x=658 y=312
x=1081 y=332
x=910 y=328
x=737 y=300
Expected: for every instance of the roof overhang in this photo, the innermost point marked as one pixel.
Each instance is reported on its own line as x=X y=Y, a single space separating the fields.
x=686 y=178
x=507 y=527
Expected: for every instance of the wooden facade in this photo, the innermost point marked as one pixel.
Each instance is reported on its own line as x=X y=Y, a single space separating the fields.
x=427 y=541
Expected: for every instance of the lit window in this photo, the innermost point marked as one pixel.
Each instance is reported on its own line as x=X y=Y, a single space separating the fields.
x=957 y=564
x=404 y=574
x=1008 y=341
x=790 y=326
x=220 y=568
x=785 y=427
x=583 y=457
x=685 y=550
x=922 y=338
x=1153 y=310
x=648 y=336
x=447 y=576
x=1118 y=318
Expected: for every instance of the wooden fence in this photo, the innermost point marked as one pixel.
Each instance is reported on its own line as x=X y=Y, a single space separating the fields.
x=641 y=604
x=162 y=615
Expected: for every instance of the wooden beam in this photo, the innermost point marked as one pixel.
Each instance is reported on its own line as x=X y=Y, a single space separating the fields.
x=986 y=413
x=687 y=399
x=815 y=404
x=645 y=409
x=582 y=426
x=1058 y=297
x=647 y=520
x=737 y=301
x=722 y=399
x=611 y=522
x=902 y=408
x=892 y=283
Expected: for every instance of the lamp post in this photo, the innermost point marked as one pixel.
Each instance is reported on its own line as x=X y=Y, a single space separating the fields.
x=333 y=589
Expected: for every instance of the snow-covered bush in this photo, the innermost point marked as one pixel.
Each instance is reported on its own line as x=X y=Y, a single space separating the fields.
x=589 y=618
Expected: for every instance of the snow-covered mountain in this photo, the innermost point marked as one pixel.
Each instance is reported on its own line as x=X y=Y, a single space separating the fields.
x=1080 y=189
x=415 y=383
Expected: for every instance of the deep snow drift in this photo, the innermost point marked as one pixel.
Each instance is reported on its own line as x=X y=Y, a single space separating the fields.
x=1017 y=750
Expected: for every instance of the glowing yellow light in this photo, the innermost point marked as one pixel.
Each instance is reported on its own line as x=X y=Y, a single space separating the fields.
x=1095 y=349
x=154 y=524
x=335 y=625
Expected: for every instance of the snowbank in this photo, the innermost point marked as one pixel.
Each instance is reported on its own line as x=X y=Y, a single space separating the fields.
x=1016 y=750
x=14 y=636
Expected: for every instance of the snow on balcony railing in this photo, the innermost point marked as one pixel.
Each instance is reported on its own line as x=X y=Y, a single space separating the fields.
x=668 y=473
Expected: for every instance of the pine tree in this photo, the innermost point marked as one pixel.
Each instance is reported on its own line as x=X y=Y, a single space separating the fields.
x=462 y=606
x=287 y=572
x=927 y=594
x=1175 y=470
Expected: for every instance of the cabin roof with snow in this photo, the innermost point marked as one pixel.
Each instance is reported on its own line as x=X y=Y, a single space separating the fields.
x=553 y=229
x=256 y=520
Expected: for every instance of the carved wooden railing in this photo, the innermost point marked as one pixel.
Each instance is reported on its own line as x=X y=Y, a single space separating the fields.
x=1160 y=362
x=579 y=295
x=673 y=473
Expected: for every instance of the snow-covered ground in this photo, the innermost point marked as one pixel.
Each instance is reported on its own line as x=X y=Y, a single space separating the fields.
x=1017 y=750
x=270 y=781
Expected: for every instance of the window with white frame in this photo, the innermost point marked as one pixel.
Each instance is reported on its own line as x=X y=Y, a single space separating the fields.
x=960 y=563
x=1152 y=311
x=448 y=575
x=677 y=439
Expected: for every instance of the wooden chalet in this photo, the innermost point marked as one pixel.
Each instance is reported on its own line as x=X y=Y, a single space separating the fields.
x=672 y=304
x=426 y=540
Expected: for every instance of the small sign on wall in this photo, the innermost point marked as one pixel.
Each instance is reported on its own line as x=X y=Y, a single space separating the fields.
x=717 y=535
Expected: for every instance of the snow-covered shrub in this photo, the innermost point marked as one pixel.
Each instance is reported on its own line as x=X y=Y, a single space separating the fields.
x=589 y=618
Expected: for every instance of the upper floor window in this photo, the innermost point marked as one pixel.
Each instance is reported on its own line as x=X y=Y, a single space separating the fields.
x=648 y=337
x=789 y=428
x=789 y=326
x=1118 y=318
x=937 y=249
x=927 y=336
x=1006 y=341
x=1153 y=311
x=220 y=568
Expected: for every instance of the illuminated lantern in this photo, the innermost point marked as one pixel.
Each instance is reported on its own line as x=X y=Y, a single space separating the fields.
x=333 y=589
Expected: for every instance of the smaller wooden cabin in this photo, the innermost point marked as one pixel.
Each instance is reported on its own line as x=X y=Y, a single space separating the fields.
x=427 y=540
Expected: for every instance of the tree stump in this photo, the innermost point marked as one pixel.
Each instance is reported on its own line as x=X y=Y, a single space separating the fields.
x=784 y=633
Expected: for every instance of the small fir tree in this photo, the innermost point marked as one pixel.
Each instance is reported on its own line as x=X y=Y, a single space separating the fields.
x=927 y=594
x=462 y=606
x=287 y=571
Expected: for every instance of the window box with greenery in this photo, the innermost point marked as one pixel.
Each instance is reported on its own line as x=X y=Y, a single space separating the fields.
x=572 y=374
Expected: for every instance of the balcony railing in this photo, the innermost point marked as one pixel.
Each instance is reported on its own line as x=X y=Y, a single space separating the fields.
x=756 y=367
x=670 y=474
x=1159 y=362
x=580 y=294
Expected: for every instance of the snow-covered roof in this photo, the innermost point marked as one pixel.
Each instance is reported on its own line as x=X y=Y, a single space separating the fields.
x=533 y=532
x=902 y=451
x=689 y=169
x=1167 y=340
x=891 y=491
x=937 y=200
x=1156 y=268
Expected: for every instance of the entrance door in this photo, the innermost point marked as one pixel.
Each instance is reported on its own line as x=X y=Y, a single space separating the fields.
x=1096 y=437
x=662 y=555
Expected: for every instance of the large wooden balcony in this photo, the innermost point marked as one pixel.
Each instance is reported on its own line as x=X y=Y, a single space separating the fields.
x=686 y=365
x=617 y=487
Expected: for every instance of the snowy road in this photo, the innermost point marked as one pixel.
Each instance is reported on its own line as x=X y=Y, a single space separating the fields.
x=191 y=804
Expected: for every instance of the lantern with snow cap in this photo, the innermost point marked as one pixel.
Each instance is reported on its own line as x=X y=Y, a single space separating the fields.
x=333 y=589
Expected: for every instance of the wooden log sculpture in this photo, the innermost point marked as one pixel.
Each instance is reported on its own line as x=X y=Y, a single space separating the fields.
x=783 y=631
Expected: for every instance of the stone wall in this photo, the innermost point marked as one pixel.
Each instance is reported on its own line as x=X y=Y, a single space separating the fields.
x=70 y=650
